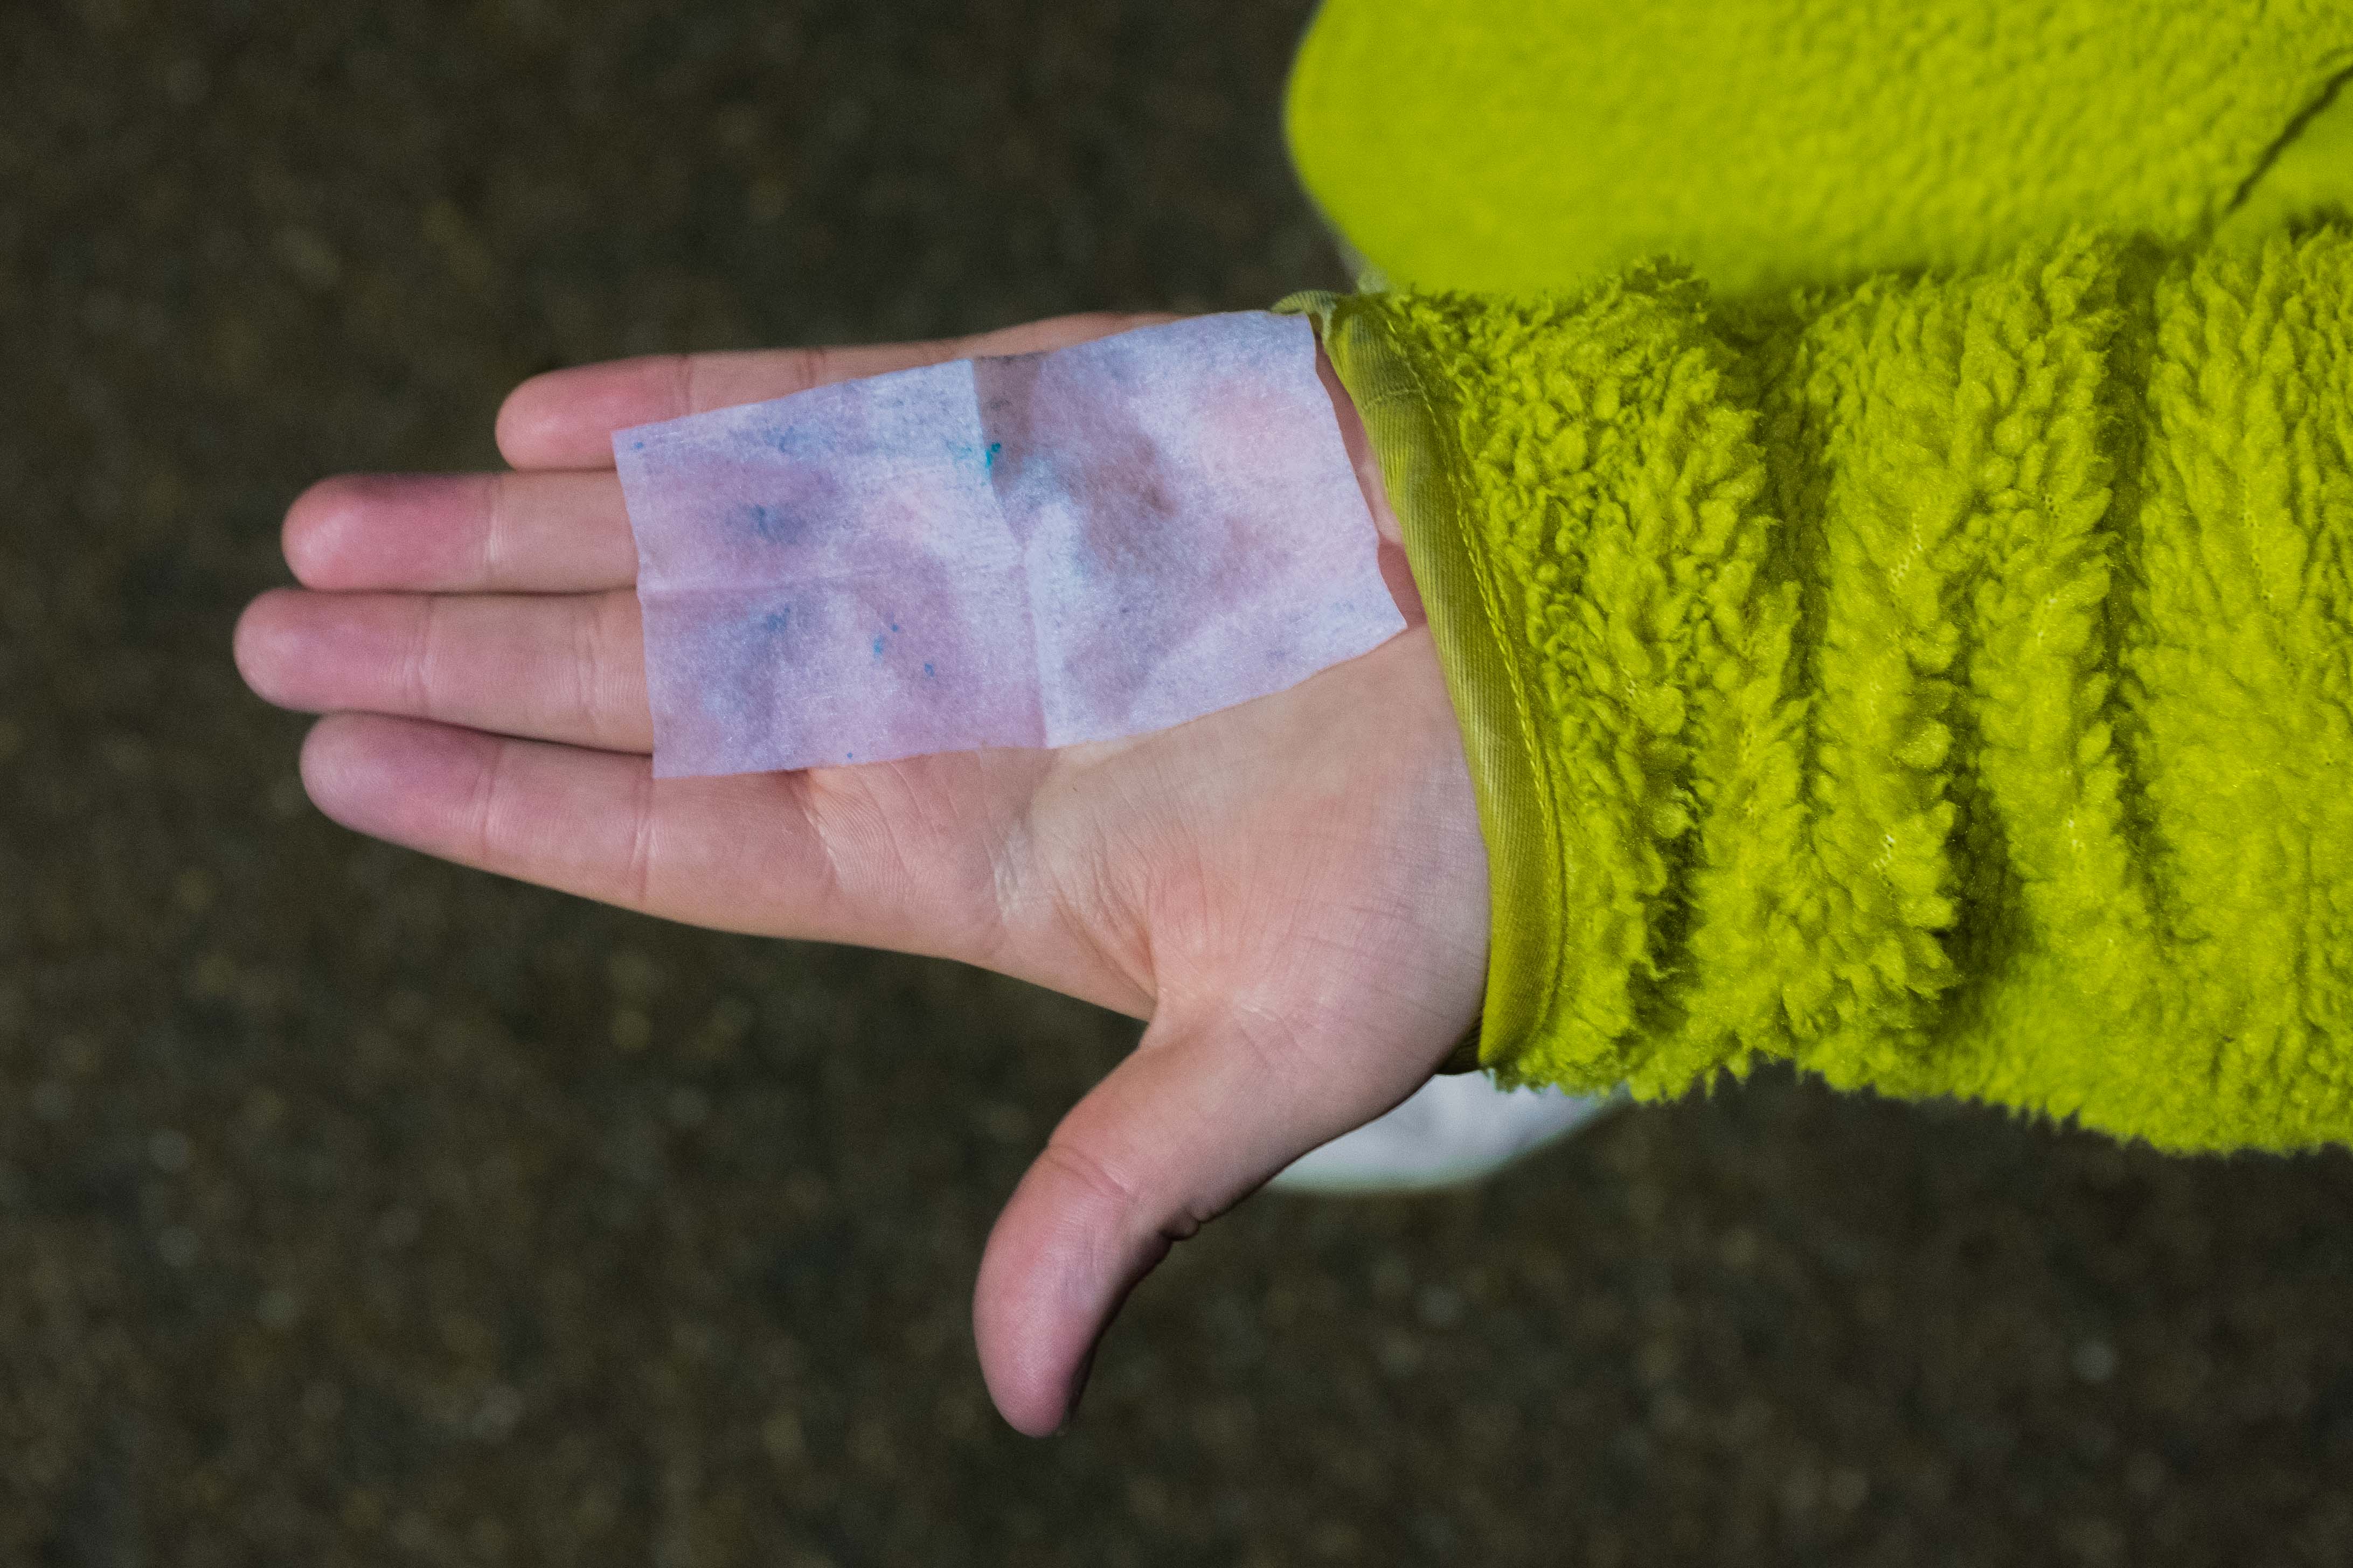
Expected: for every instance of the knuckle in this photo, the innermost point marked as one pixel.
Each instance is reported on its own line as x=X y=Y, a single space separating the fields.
x=1115 y=1196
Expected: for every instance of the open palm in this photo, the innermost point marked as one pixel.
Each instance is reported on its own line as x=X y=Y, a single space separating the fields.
x=1293 y=890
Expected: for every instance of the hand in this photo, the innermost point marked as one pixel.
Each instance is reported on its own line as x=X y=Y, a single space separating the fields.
x=1294 y=892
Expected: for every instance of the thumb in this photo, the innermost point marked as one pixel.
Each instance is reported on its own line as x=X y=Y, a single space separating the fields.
x=1197 y=1118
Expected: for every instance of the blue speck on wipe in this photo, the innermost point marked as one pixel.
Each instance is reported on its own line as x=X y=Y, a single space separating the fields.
x=878 y=647
x=636 y=446
x=988 y=459
x=775 y=524
x=927 y=670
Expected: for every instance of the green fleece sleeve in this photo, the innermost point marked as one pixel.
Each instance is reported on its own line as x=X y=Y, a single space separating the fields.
x=1943 y=682
x=1510 y=145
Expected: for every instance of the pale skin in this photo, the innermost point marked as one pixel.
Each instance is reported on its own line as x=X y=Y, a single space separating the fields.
x=1292 y=891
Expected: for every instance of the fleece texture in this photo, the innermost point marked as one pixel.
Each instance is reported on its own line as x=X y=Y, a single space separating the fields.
x=1938 y=672
x=1510 y=145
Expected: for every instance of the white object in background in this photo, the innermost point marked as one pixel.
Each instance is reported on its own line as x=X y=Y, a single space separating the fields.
x=1457 y=1127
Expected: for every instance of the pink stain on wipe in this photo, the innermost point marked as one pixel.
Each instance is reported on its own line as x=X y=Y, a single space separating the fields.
x=1029 y=551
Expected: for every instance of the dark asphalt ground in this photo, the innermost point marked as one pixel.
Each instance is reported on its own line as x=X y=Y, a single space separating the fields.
x=358 y=1209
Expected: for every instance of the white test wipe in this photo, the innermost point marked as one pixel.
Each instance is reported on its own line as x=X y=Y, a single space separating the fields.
x=1028 y=550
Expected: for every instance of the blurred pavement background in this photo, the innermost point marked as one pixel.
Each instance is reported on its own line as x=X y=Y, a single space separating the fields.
x=358 y=1209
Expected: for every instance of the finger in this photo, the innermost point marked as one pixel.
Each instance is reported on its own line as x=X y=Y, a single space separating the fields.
x=566 y=418
x=472 y=533
x=1197 y=1118
x=761 y=853
x=568 y=668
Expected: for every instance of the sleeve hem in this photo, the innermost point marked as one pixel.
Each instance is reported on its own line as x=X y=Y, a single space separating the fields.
x=1407 y=415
